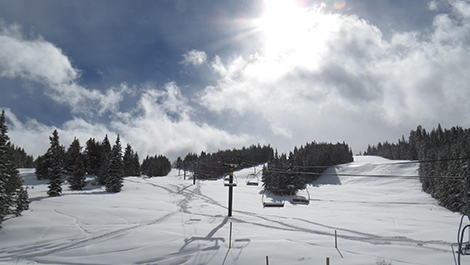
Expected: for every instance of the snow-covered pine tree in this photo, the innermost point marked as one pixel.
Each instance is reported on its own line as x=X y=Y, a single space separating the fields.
x=53 y=156
x=13 y=198
x=5 y=200
x=14 y=188
x=115 y=171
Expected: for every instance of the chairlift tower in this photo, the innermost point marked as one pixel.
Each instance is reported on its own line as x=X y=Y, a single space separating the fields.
x=231 y=162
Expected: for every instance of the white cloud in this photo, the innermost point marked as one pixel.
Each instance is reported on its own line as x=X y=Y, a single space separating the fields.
x=165 y=127
x=432 y=5
x=195 y=57
x=39 y=61
x=159 y=124
x=342 y=72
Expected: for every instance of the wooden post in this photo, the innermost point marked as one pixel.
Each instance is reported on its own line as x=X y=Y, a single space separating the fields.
x=267 y=260
x=230 y=237
x=327 y=261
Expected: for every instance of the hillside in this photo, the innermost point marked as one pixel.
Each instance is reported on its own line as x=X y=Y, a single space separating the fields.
x=167 y=220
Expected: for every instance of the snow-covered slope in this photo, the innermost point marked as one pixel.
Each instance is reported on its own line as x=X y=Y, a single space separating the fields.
x=167 y=220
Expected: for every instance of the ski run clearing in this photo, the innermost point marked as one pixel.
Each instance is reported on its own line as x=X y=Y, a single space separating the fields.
x=168 y=220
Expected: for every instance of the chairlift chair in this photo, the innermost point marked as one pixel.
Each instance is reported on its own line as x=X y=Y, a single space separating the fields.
x=272 y=203
x=300 y=199
x=252 y=180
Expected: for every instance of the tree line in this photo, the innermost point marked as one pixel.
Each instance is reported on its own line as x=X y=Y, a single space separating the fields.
x=214 y=165
x=443 y=155
x=286 y=174
x=107 y=163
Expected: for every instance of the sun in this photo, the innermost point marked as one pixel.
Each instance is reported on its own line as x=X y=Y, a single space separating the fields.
x=283 y=24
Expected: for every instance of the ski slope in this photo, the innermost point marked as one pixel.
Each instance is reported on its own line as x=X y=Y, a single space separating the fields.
x=168 y=220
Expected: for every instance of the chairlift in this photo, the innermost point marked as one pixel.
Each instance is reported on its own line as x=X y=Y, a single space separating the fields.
x=272 y=202
x=301 y=198
x=253 y=178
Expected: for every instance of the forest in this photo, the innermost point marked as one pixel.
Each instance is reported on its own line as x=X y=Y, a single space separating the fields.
x=443 y=156
x=217 y=164
x=285 y=174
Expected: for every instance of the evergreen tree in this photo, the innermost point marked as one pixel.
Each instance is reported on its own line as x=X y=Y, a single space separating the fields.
x=5 y=200
x=105 y=158
x=92 y=157
x=115 y=171
x=22 y=201
x=280 y=176
x=53 y=161
x=131 y=168
x=153 y=166
x=136 y=165
x=13 y=197
x=71 y=156
x=76 y=166
x=20 y=158
x=179 y=164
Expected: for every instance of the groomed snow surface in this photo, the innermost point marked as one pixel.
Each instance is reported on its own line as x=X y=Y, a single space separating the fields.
x=168 y=220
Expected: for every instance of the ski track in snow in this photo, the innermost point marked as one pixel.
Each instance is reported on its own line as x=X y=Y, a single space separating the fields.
x=191 y=201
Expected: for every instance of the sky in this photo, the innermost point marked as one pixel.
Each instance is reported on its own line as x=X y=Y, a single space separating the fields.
x=179 y=76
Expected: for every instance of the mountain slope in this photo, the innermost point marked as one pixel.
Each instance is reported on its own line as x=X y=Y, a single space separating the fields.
x=167 y=220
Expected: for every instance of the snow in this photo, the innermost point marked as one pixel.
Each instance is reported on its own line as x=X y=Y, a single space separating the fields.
x=168 y=220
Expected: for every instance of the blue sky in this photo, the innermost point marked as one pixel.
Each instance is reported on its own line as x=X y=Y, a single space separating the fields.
x=181 y=76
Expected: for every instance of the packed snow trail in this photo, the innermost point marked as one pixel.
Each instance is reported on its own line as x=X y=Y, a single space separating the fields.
x=167 y=220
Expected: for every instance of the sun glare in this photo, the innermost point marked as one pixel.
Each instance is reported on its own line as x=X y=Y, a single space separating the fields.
x=283 y=24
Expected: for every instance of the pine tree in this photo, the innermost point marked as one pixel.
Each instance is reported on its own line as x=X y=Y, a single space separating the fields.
x=53 y=157
x=136 y=164
x=13 y=197
x=22 y=201
x=115 y=171
x=71 y=156
x=77 y=169
x=92 y=157
x=179 y=164
x=131 y=168
x=5 y=200
x=105 y=158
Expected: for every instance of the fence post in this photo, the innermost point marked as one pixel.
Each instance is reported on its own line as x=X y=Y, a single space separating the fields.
x=267 y=260
x=327 y=260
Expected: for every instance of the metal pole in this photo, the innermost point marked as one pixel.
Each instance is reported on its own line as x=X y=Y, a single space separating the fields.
x=230 y=192
x=194 y=175
x=230 y=237
x=467 y=196
x=336 y=239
